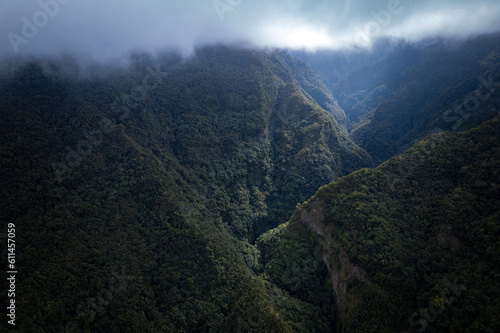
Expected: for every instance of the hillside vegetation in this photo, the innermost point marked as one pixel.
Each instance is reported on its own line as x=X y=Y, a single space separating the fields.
x=413 y=244
x=137 y=193
x=399 y=92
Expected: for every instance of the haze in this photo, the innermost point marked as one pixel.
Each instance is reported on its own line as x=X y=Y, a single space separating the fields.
x=108 y=29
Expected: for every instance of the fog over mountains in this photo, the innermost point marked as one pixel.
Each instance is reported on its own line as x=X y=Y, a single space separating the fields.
x=250 y=166
x=105 y=30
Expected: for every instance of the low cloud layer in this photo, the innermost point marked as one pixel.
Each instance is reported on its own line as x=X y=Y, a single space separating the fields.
x=108 y=29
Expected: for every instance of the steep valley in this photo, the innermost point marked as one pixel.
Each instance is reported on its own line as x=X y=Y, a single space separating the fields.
x=239 y=190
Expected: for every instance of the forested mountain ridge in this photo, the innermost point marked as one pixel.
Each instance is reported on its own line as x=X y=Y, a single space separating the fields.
x=413 y=244
x=164 y=195
x=137 y=192
x=399 y=92
x=312 y=84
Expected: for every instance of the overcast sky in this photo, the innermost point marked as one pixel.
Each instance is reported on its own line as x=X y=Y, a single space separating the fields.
x=110 y=28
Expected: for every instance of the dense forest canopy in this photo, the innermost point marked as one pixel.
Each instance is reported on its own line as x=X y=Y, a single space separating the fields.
x=239 y=190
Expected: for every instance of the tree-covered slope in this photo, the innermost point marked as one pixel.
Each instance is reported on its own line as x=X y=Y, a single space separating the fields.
x=312 y=85
x=398 y=92
x=412 y=245
x=136 y=193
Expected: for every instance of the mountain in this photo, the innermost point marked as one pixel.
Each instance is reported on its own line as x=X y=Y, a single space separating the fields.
x=312 y=85
x=411 y=245
x=137 y=192
x=225 y=191
x=398 y=92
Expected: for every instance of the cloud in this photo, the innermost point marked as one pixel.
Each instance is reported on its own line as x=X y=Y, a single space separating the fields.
x=461 y=21
x=108 y=29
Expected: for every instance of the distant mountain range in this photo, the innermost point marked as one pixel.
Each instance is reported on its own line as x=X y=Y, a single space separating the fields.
x=399 y=92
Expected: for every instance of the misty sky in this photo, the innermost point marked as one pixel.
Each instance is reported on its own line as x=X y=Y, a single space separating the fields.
x=105 y=29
